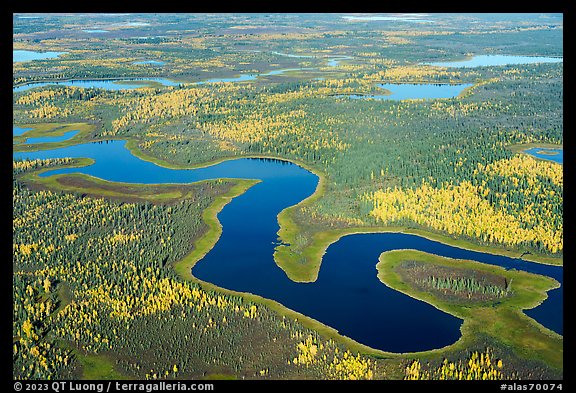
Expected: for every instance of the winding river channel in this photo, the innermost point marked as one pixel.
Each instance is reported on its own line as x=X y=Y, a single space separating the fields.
x=347 y=294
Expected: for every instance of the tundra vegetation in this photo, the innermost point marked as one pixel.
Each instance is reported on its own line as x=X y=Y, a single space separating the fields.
x=95 y=291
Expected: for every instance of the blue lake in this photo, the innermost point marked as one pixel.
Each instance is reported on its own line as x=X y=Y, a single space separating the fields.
x=556 y=155
x=347 y=295
x=109 y=84
x=17 y=131
x=497 y=60
x=48 y=139
x=28 y=55
x=408 y=91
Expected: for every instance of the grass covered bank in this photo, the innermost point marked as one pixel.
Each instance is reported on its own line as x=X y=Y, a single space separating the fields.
x=52 y=129
x=303 y=265
x=501 y=318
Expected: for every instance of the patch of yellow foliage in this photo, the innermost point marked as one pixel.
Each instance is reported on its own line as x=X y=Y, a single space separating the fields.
x=462 y=209
x=479 y=366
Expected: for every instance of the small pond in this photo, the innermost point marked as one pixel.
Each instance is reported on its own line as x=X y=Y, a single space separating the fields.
x=550 y=154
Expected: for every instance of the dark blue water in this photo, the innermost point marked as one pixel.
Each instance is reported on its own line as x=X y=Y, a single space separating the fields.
x=46 y=139
x=557 y=157
x=497 y=60
x=347 y=295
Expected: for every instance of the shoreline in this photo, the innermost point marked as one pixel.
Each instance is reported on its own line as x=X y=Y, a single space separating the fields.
x=322 y=240
x=529 y=291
